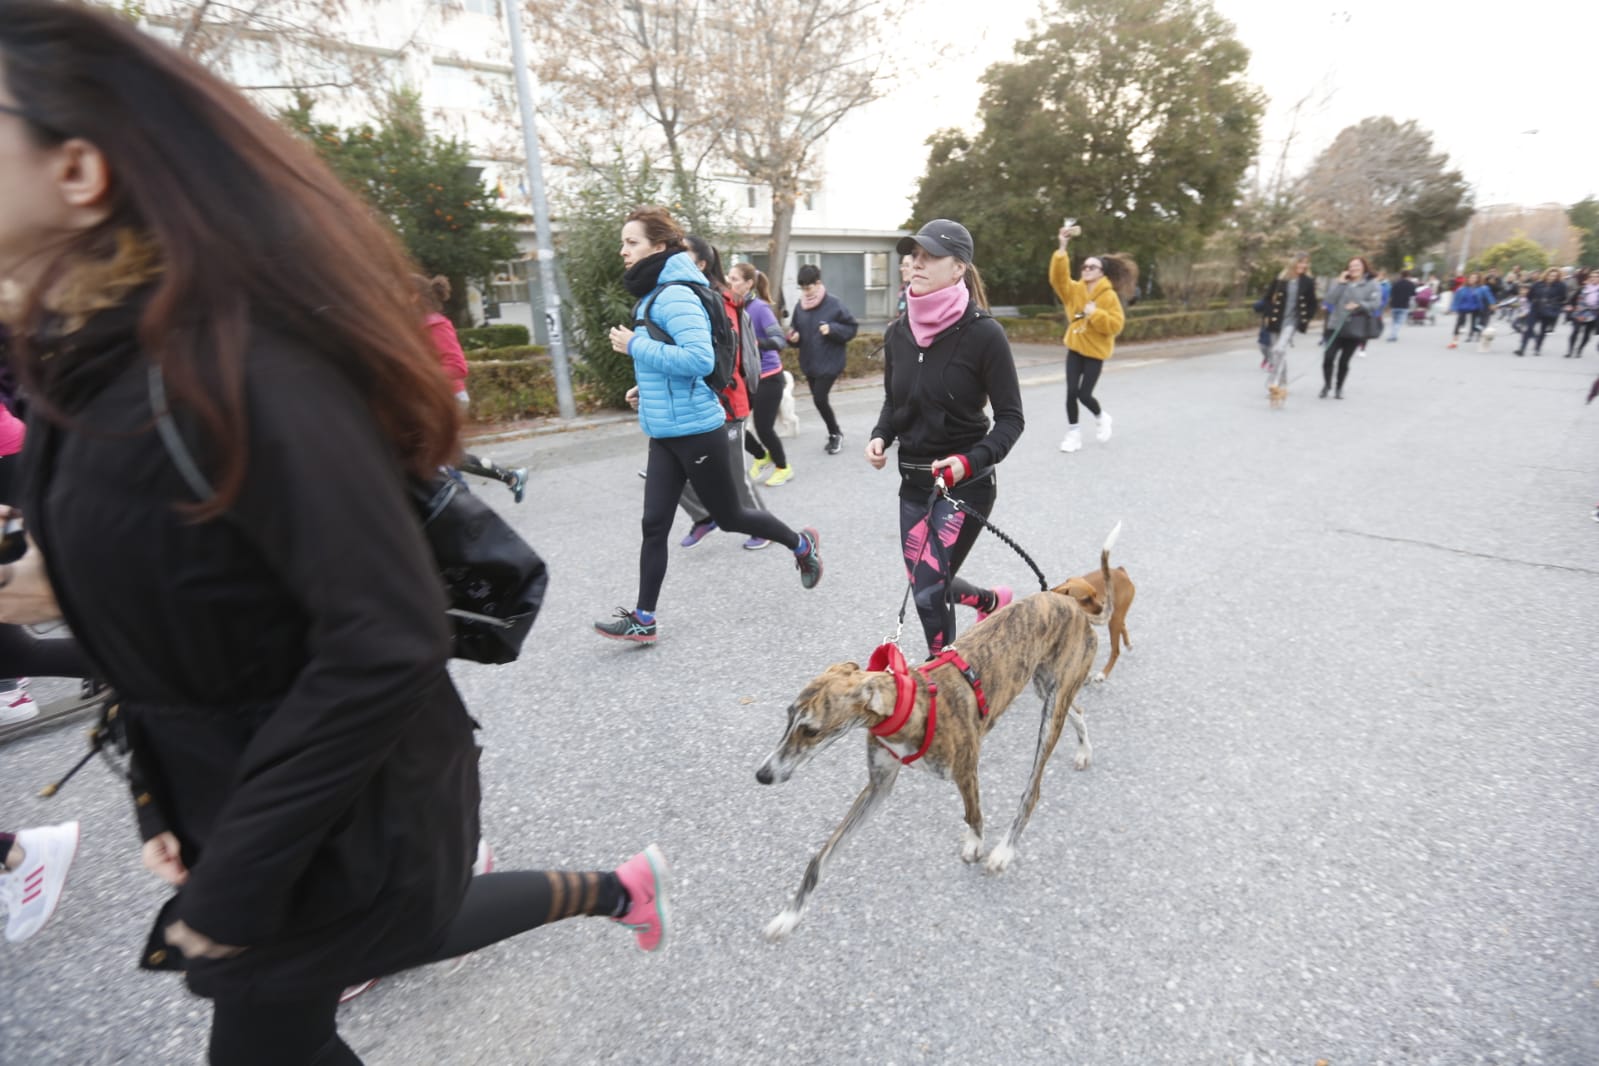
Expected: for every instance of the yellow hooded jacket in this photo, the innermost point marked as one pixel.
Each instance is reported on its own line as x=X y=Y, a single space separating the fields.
x=1093 y=335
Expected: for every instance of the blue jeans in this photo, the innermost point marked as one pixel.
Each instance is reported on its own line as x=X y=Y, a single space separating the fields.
x=1398 y=314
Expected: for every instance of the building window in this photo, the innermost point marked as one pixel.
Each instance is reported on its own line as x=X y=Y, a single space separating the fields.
x=878 y=285
x=749 y=195
x=810 y=202
x=812 y=258
x=482 y=7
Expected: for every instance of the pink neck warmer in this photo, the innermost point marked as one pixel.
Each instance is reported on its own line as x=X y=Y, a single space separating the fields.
x=935 y=312
x=811 y=300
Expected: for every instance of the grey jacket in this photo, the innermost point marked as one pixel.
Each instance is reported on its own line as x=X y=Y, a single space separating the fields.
x=1367 y=292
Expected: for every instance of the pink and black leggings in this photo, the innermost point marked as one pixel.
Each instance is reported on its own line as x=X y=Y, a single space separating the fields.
x=936 y=589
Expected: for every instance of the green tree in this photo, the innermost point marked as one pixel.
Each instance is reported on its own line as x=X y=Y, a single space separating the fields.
x=1381 y=189
x=1133 y=117
x=425 y=186
x=1517 y=251
x=1584 y=214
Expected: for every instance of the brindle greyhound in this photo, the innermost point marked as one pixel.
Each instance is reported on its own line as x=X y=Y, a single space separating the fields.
x=1046 y=639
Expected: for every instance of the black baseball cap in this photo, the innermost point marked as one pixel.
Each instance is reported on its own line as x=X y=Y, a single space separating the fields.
x=941 y=237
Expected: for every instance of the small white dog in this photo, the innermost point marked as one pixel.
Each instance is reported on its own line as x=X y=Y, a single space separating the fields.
x=1487 y=339
x=787 y=417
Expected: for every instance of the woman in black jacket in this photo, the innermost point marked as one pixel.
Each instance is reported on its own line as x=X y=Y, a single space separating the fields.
x=943 y=361
x=1549 y=298
x=305 y=772
x=822 y=327
x=1290 y=305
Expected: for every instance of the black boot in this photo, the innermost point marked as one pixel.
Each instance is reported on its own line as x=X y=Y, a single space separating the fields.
x=1325 y=389
x=1338 y=394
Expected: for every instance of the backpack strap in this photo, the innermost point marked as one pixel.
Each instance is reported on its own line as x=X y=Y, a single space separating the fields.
x=167 y=429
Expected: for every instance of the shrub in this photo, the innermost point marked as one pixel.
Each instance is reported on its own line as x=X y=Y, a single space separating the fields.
x=1139 y=327
x=506 y=335
x=513 y=354
x=1038 y=310
x=508 y=390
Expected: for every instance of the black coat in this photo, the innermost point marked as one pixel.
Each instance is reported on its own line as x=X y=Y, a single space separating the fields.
x=823 y=355
x=933 y=397
x=1548 y=300
x=1276 y=297
x=282 y=668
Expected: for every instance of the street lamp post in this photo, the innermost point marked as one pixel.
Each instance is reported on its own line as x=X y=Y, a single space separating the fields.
x=541 y=216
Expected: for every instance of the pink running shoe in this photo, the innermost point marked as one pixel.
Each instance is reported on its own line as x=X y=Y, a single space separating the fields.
x=1002 y=598
x=647 y=878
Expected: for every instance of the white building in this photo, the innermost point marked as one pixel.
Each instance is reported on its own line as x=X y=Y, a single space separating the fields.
x=455 y=54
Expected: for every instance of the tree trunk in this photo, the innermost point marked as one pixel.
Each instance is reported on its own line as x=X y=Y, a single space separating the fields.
x=783 y=203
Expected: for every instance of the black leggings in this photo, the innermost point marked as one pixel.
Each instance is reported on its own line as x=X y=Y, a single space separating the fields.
x=1580 y=332
x=22 y=655
x=1082 y=374
x=1341 y=349
x=763 y=417
x=1535 y=330
x=748 y=497
x=1463 y=317
x=248 y=1032
x=821 y=385
x=935 y=589
x=700 y=460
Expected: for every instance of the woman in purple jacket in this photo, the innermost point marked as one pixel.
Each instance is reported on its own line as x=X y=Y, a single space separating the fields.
x=750 y=286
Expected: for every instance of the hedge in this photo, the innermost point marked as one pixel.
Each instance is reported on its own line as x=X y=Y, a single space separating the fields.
x=504 y=391
x=1139 y=327
x=513 y=354
x=505 y=335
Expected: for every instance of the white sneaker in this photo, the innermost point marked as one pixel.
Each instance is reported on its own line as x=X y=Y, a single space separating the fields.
x=484 y=863
x=31 y=891
x=1073 y=441
x=17 y=705
x=1103 y=434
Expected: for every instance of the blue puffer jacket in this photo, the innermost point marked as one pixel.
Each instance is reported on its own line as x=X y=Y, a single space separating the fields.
x=673 y=399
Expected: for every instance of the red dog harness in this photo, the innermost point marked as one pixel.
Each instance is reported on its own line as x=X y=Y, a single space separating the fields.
x=888 y=657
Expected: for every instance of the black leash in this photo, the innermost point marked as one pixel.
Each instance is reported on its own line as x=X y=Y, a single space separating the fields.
x=939 y=488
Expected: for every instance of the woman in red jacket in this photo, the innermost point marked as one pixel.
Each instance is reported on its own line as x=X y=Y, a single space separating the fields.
x=432 y=294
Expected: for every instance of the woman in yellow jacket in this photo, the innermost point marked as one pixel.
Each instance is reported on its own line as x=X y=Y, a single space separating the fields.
x=1093 y=319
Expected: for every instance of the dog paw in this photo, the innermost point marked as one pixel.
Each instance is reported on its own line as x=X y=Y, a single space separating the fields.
x=1000 y=858
x=971 y=847
x=1099 y=678
x=1082 y=761
x=782 y=925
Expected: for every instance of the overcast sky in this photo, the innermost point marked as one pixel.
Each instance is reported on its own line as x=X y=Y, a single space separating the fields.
x=1475 y=81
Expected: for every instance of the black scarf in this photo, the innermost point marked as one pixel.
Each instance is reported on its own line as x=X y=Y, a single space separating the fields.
x=643 y=276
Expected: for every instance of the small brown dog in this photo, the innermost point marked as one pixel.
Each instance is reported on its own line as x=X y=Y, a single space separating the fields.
x=1089 y=592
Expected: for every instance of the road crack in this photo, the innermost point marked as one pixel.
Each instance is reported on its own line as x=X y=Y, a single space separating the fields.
x=1467 y=552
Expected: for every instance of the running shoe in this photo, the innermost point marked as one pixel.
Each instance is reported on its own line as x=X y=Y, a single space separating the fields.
x=780 y=476
x=31 y=891
x=810 y=563
x=647 y=879
x=626 y=626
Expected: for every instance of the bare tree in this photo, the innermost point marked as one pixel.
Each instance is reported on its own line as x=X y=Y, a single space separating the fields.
x=799 y=67
x=1381 y=188
x=639 y=74
x=755 y=86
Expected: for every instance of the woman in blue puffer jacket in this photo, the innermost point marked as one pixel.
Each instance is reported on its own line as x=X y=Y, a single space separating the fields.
x=681 y=415
x=1472 y=302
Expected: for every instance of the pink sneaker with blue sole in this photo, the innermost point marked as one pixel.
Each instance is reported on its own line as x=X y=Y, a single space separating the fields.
x=647 y=878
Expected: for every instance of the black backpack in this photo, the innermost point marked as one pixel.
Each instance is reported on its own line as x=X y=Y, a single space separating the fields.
x=723 y=342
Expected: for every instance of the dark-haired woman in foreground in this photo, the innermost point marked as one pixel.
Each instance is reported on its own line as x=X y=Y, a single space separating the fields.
x=308 y=773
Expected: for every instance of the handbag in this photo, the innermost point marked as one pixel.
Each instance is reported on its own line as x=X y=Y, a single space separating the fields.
x=494 y=580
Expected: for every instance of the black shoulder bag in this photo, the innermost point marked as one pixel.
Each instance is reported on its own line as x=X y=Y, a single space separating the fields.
x=494 y=579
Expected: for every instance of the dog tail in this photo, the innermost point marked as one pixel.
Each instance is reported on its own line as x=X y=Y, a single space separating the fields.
x=1108 y=606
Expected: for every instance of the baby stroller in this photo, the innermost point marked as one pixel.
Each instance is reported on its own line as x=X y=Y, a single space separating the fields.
x=1421 y=310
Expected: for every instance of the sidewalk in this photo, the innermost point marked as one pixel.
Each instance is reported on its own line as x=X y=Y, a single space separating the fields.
x=1028 y=356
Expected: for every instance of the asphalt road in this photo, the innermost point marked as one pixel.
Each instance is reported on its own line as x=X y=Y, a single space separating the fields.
x=1342 y=806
